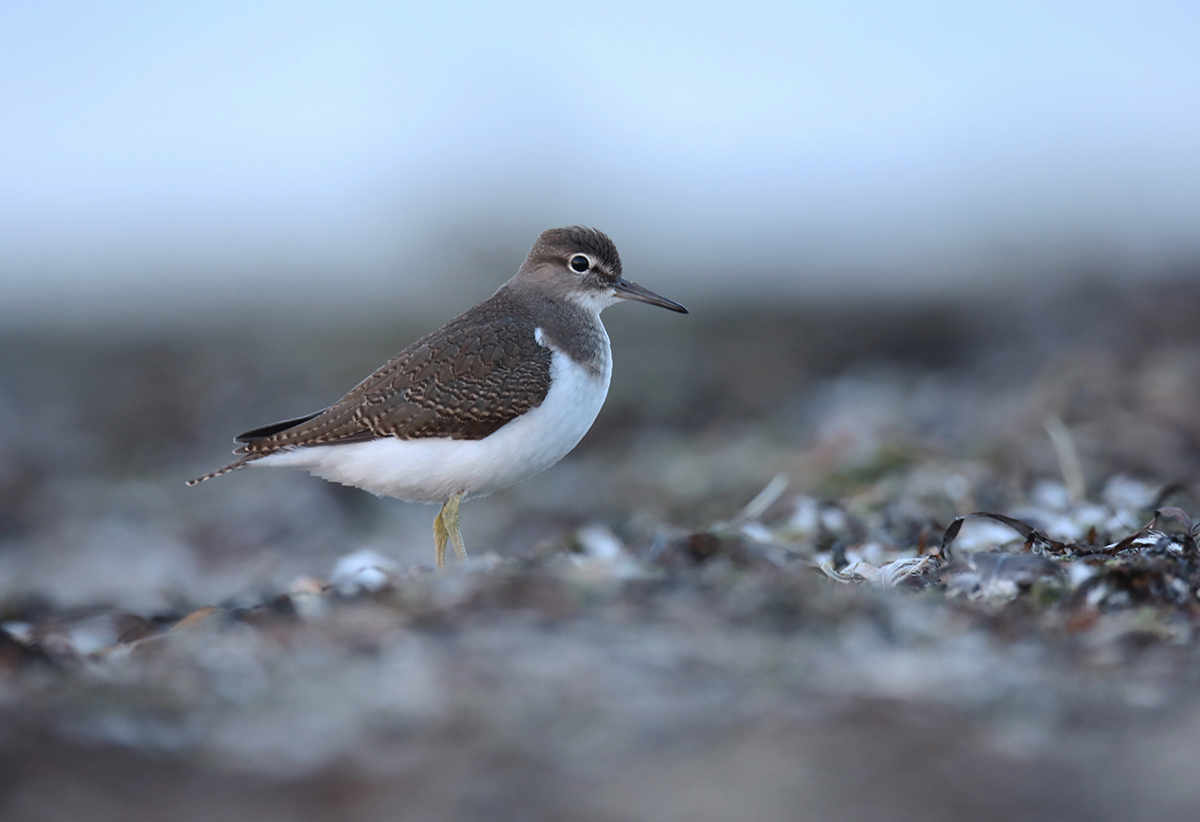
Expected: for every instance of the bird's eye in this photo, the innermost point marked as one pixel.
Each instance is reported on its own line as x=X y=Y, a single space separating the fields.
x=579 y=263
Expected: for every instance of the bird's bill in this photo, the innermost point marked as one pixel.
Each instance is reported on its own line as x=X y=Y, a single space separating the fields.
x=632 y=291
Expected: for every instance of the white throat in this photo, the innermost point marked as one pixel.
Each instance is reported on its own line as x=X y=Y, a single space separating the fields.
x=594 y=301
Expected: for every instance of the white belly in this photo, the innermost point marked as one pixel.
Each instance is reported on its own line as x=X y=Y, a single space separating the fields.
x=435 y=469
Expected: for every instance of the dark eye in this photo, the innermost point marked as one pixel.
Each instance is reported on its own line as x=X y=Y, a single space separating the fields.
x=579 y=263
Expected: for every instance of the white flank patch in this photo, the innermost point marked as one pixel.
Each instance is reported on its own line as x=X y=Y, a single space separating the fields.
x=435 y=469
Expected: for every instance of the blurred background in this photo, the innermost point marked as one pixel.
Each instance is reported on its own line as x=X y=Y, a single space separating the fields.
x=217 y=215
x=940 y=257
x=216 y=160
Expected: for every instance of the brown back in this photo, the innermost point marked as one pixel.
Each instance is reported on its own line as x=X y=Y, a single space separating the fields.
x=463 y=381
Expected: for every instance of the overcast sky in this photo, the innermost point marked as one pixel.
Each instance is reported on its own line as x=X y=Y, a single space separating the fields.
x=194 y=153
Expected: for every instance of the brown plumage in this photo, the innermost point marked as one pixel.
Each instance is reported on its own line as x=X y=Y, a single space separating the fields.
x=463 y=381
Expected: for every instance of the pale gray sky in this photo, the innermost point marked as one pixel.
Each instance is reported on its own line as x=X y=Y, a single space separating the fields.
x=190 y=154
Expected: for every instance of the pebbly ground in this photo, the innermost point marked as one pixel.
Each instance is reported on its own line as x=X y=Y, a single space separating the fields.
x=736 y=599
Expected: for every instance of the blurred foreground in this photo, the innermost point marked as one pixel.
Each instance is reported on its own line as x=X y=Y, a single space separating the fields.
x=626 y=644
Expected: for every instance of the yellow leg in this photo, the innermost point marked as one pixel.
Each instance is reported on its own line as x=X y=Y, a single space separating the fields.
x=451 y=509
x=439 y=539
x=445 y=526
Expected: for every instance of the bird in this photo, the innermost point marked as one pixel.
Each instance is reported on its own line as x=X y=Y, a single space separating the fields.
x=499 y=393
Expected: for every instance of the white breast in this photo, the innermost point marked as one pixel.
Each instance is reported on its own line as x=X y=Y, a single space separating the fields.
x=434 y=469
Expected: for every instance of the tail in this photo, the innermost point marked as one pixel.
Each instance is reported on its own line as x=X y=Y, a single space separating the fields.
x=233 y=466
x=252 y=449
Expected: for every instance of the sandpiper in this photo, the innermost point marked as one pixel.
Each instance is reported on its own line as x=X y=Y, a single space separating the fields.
x=497 y=394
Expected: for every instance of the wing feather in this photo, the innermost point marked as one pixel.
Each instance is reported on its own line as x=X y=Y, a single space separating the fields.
x=463 y=381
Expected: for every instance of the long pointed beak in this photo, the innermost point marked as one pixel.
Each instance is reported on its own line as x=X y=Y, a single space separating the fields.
x=632 y=291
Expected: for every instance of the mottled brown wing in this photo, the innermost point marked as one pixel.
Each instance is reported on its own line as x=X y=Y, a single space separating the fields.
x=463 y=381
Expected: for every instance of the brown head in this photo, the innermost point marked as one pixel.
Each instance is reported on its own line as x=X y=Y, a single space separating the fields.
x=581 y=266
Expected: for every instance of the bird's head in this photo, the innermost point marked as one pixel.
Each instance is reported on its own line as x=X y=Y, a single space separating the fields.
x=581 y=265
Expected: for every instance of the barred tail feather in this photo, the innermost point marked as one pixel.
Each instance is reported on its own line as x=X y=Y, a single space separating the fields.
x=233 y=466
